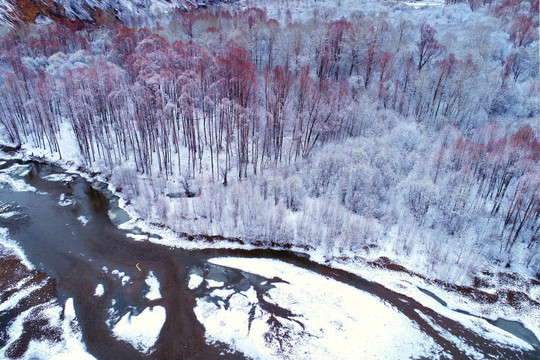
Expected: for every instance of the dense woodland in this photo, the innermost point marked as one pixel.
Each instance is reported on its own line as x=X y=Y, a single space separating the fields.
x=411 y=132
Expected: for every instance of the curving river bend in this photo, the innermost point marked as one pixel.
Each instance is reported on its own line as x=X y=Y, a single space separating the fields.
x=75 y=253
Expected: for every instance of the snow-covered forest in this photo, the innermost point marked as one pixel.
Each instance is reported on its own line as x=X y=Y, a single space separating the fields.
x=396 y=130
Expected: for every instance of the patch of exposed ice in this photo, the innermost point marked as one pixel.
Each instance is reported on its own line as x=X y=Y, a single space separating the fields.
x=17 y=170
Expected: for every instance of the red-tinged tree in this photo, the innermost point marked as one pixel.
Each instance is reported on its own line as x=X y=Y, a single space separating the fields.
x=235 y=67
x=43 y=47
x=372 y=40
x=277 y=88
x=68 y=39
x=126 y=40
x=19 y=87
x=339 y=33
x=386 y=69
x=446 y=69
x=523 y=31
x=428 y=47
x=316 y=112
x=270 y=35
x=525 y=142
x=524 y=209
x=507 y=9
x=252 y=16
x=407 y=77
x=238 y=86
x=187 y=20
x=476 y=4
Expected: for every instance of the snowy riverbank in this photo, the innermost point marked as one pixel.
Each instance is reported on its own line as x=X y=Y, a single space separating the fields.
x=489 y=301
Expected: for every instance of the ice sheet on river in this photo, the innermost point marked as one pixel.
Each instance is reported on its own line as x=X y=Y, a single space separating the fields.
x=317 y=318
x=141 y=331
x=153 y=284
x=15 y=184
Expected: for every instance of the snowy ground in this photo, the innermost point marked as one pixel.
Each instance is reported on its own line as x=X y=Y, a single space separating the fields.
x=410 y=285
x=320 y=318
x=325 y=318
x=397 y=281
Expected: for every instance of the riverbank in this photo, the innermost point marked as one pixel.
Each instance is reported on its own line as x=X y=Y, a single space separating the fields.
x=499 y=294
x=34 y=322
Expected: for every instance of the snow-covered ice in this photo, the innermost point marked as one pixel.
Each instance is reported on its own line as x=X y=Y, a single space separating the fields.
x=138 y=237
x=9 y=214
x=141 y=330
x=121 y=275
x=329 y=320
x=100 y=290
x=153 y=283
x=59 y=177
x=14 y=300
x=66 y=200
x=70 y=346
x=18 y=185
x=222 y=293
x=213 y=283
x=419 y=4
x=194 y=281
x=74 y=347
x=83 y=219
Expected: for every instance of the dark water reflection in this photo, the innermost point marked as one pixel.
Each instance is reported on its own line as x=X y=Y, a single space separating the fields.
x=58 y=243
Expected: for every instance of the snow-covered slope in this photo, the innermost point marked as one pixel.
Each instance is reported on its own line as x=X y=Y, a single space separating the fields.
x=17 y=11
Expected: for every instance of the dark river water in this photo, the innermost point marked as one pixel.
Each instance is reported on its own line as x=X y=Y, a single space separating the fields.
x=74 y=254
